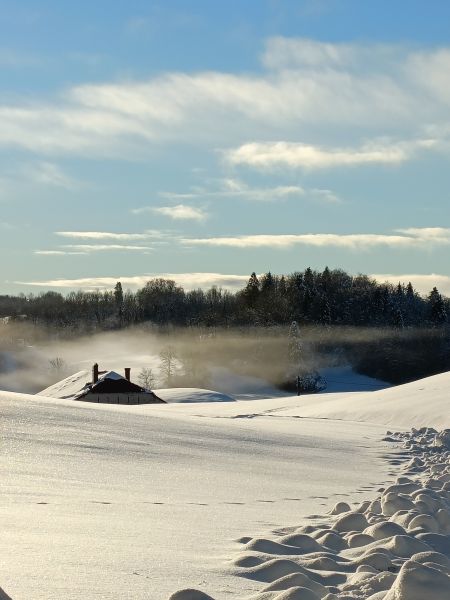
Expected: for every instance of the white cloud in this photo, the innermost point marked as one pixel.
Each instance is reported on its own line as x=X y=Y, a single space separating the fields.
x=178 y=212
x=422 y=283
x=235 y=188
x=188 y=281
x=104 y=247
x=103 y=235
x=414 y=238
x=350 y=90
x=57 y=253
x=431 y=234
x=269 y=155
x=291 y=53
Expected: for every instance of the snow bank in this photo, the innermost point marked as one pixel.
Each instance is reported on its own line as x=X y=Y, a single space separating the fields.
x=403 y=540
x=423 y=402
x=191 y=395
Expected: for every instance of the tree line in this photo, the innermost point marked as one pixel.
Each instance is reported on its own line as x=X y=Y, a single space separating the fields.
x=329 y=297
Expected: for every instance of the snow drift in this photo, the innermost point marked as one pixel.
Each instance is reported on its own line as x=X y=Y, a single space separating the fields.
x=395 y=547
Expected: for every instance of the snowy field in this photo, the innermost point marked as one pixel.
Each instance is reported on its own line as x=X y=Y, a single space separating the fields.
x=106 y=502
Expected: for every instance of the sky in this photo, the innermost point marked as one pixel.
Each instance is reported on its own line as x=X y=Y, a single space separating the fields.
x=204 y=140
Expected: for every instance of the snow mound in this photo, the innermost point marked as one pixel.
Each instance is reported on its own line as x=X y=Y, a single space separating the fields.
x=396 y=547
x=422 y=402
x=191 y=395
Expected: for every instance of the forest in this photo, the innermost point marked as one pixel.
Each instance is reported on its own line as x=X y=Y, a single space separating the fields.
x=330 y=297
x=283 y=326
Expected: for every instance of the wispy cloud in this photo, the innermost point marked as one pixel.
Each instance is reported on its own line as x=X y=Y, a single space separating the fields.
x=42 y=173
x=11 y=59
x=236 y=188
x=187 y=280
x=179 y=212
x=270 y=155
x=423 y=283
x=58 y=253
x=105 y=247
x=103 y=235
x=80 y=249
x=354 y=91
x=415 y=238
x=48 y=173
x=298 y=54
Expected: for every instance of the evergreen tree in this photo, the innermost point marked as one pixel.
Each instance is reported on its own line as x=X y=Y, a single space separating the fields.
x=437 y=312
x=118 y=294
x=251 y=291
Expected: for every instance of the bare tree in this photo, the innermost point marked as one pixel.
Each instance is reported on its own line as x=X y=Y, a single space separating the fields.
x=168 y=364
x=57 y=364
x=146 y=378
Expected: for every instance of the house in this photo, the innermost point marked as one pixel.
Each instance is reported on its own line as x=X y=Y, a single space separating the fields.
x=106 y=387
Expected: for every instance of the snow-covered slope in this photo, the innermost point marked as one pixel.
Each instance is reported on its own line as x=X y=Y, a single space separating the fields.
x=189 y=395
x=421 y=403
x=102 y=501
x=345 y=379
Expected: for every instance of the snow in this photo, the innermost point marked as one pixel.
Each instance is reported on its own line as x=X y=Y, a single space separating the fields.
x=273 y=499
x=188 y=395
x=345 y=379
x=69 y=387
x=423 y=402
x=242 y=387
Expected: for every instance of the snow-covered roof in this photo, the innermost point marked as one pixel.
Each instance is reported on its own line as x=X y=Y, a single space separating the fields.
x=78 y=384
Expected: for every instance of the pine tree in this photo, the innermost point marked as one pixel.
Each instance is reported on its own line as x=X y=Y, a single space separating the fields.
x=251 y=292
x=118 y=299
x=118 y=294
x=438 y=314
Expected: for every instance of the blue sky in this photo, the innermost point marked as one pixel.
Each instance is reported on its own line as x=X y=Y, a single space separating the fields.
x=207 y=140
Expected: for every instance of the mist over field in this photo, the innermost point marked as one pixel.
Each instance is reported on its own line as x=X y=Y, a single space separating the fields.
x=33 y=357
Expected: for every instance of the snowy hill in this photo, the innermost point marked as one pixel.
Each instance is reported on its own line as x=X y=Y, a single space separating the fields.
x=141 y=501
x=423 y=402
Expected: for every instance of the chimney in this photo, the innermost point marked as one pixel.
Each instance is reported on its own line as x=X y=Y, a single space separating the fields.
x=127 y=373
x=95 y=373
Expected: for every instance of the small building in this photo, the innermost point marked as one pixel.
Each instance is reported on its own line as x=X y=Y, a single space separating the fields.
x=107 y=387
